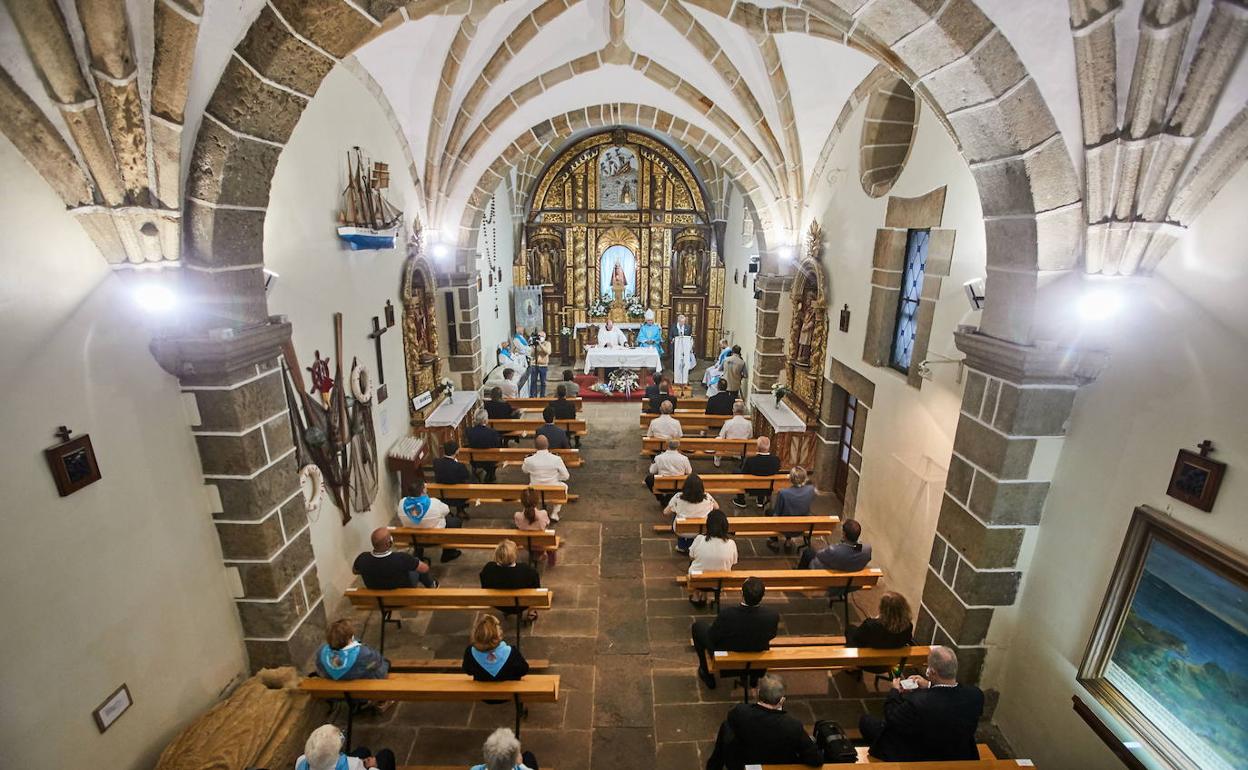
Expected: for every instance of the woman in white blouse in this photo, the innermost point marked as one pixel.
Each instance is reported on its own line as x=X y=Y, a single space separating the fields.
x=712 y=552
x=693 y=502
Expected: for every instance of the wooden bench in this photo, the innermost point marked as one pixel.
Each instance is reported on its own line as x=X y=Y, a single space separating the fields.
x=446 y=665
x=784 y=580
x=528 y=404
x=525 y=426
x=758 y=526
x=535 y=541
x=734 y=483
x=499 y=493
x=693 y=421
x=436 y=599
x=987 y=761
x=453 y=688
x=708 y=446
x=805 y=658
x=515 y=455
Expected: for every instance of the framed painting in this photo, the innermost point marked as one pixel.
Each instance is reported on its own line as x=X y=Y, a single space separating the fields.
x=73 y=464
x=1195 y=479
x=1169 y=654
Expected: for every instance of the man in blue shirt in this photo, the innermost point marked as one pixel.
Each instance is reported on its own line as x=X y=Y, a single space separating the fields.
x=796 y=500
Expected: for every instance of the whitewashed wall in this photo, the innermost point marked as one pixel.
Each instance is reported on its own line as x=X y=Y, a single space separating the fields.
x=499 y=236
x=739 y=304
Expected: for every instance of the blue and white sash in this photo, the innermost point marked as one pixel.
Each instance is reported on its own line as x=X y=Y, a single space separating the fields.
x=302 y=764
x=338 y=662
x=415 y=508
x=493 y=660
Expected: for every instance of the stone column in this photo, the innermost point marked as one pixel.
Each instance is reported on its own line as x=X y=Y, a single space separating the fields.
x=464 y=361
x=769 y=338
x=1015 y=408
x=232 y=387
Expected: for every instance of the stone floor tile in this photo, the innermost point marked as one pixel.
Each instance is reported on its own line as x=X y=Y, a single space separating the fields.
x=433 y=714
x=688 y=721
x=678 y=756
x=566 y=622
x=623 y=692
x=672 y=688
x=624 y=748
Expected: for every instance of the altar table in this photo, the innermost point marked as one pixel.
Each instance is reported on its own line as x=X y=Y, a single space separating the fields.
x=643 y=359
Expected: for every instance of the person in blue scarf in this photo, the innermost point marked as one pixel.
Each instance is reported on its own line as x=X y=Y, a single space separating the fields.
x=488 y=658
x=650 y=335
x=343 y=657
x=502 y=752
x=323 y=751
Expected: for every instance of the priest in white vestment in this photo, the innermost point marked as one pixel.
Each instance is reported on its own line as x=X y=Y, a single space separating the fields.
x=611 y=337
x=682 y=349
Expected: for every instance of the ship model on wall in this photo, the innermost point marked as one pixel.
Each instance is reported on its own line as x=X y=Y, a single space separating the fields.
x=367 y=220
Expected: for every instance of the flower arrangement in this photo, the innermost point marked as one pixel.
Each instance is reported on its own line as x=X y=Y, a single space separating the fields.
x=623 y=381
x=599 y=307
x=635 y=308
x=446 y=387
x=565 y=331
x=779 y=391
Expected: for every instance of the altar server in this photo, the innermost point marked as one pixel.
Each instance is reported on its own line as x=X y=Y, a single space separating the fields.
x=682 y=349
x=611 y=337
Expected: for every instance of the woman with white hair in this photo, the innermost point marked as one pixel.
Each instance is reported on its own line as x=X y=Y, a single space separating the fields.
x=323 y=751
x=502 y=752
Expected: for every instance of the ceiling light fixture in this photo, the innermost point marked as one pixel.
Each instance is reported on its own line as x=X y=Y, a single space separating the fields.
x=1100 y=304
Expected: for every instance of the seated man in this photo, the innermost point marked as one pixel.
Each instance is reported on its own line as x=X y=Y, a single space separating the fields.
x=935 y=721
x=795 y=500
x=761 y=733
x=498 y=409
x=564 y=409
x=509 y=386
x=849 y=555
x=384 y=568
x=764 y=463
x=748 y=627
x=420 y=510
x=655 y=404
x=447 y=469
x=570 y=384
x=546 y=468
x=482 y=436
x=652 y=389
x=557 y=437
x=670 y=462
x=738 y=426
x=720 y=403
x=665 y=425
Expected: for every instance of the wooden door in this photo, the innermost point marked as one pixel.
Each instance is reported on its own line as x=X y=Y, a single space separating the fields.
x=845 y=449
x=695 y=309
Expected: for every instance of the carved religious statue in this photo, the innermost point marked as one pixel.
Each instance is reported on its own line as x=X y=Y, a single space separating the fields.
x=690 y=267
x=807 y=311
x=619 y=282
x=547 y=262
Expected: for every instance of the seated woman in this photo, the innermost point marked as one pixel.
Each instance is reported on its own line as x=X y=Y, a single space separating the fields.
x=712 y=552
x=323 y=751
x=488 y=658
x=533 y=519
x=503 y=572
x=692 y=502
x=502 y=752
x=890 y=628
x=342 y=657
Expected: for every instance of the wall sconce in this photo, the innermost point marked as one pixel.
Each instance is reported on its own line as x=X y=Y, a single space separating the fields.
x=845 y=318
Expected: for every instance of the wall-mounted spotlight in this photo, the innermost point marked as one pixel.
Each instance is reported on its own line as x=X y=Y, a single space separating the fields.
x=975 y=293
x=785 y=253
x=154 y=298
x=440 y=250
x=1099 y=304
x=270 y=279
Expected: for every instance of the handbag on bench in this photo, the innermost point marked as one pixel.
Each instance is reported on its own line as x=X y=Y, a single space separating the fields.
x=834 y=743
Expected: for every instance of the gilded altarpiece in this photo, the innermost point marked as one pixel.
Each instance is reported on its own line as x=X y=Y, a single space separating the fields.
x=808 y=331
x=619 y=216
x=420 y=327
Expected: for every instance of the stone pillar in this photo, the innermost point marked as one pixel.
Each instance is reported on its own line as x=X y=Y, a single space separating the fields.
x=1015 y=408
x=464 y=345
x=769 y=338
x=233 y=391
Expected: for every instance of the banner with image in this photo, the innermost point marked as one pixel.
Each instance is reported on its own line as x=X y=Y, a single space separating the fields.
x=528 y=307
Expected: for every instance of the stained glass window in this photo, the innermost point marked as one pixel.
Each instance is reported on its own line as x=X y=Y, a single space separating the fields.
x=908 y=300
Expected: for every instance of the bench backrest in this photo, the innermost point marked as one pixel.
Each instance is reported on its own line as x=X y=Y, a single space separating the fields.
x=695 y=420
x=571 y=457
x=542 y=540
x=725 y=482
x=534 y=688
x=542 y=403
x=530 y=424
x=463 y=598
x=549 y=493
x=748 y=525
x=786 y=578
x=959 y=764
x=819 y=657
x=690 y=445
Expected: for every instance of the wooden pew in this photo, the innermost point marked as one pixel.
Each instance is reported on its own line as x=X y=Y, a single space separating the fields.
x=446 y=665
x=804 y=658
x=759 y=526
x=697 y=446
x=435 y=599
x=499 y=493
x=537 y=542
x=538 y=404
x=694 y=421
x=987 y=761
x=525 y=426
x=734 y=483
x=784 y=580
x=453 y=688
x=516 y=455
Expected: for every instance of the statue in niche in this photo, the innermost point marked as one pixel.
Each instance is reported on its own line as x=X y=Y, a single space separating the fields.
x=547 y=262
x=619 y=282
x=806 y=310
x=690 y=268
x=619 y=277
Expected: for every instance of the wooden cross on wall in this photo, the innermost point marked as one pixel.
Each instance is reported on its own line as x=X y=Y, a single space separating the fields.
x=375 y=336
x=1205 y=447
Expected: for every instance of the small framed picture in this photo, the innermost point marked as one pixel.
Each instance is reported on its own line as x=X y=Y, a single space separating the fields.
x=73 y=464
x=112 y=708
x=1195 y=479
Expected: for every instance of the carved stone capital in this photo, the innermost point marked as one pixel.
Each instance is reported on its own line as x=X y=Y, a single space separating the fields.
x=221 y=355
x=1038 y=364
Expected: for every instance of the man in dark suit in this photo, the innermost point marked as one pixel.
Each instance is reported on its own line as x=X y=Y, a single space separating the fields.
x=761 y=733
x=655 y=404
x=557 y=436
x=482 y=436
x=762 y=464
x=748 y=627
x=720 y=403
x=933 y=720
x=564 y=409
x=447 y=469
x=498 y=409
x=652 y=389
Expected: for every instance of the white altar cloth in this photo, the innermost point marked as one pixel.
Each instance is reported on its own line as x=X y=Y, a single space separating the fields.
x=630 y=358
x=782 y=418
x=451 y=411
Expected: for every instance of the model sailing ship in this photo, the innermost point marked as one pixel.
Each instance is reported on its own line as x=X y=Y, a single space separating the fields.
x=367 y=220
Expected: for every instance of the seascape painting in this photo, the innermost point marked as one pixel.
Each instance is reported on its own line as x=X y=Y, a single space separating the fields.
x=1182 y=656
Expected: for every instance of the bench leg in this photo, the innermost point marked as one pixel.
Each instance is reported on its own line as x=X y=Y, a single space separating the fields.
x=346 y=746
x=519 y=713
